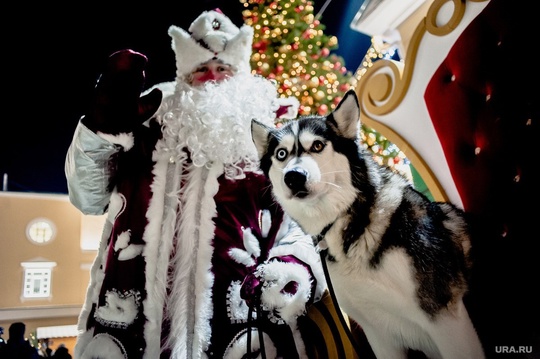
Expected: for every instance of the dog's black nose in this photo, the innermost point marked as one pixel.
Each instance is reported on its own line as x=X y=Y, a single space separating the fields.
x=296 y=179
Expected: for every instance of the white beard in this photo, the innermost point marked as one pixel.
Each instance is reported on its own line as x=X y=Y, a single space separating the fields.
x=214 y=121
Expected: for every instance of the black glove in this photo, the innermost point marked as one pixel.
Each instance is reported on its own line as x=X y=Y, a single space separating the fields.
x=117 y=106
x=251 y=290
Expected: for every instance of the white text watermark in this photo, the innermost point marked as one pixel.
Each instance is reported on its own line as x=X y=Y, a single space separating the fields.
x=513 y=349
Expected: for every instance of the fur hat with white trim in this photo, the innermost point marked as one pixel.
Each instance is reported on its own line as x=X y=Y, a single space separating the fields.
x=212 y=35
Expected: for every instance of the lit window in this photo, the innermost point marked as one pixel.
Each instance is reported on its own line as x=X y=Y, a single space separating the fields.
x=41 y=231
x=37 y=279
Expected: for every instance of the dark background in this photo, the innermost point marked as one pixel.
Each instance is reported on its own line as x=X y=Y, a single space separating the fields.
x=52 y=56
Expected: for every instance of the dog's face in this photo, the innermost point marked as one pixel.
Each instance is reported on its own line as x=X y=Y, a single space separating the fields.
x=307 y=160
x=301 y=161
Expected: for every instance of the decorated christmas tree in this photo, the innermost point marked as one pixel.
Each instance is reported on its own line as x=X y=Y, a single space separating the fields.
x=291 y=47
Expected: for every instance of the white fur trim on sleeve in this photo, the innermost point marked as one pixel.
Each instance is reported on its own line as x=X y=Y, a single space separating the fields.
x=293 y=241
x=123 y=139
x=275 y=276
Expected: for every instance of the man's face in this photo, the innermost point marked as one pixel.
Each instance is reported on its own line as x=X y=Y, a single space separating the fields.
x=212 y=70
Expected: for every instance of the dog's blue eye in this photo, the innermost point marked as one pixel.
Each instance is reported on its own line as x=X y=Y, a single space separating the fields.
x=281 y=154
x=317 y=146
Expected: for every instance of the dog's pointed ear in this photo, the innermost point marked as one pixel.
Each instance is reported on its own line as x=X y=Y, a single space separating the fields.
x=260 y=134
x=347 y=115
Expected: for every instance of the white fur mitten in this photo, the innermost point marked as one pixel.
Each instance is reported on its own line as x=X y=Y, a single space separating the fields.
x=285 y=287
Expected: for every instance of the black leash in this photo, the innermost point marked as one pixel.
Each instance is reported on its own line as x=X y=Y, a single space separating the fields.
x=261 y=332
x=344 y=324
x=258 y=321
x=248 y=346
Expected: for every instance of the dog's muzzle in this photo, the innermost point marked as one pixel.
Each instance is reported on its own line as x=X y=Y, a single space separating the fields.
x=296 y=179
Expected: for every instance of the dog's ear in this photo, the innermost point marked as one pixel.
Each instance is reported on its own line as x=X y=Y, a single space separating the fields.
x=347 y=116
x=260 y=134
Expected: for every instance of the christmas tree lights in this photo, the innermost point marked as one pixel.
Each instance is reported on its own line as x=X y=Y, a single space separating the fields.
x=291 y=48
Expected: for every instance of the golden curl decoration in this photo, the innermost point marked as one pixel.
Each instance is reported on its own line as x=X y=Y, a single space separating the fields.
x=382 y=88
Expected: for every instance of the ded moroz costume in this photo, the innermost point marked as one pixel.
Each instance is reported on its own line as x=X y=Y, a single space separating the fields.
x=196 y=260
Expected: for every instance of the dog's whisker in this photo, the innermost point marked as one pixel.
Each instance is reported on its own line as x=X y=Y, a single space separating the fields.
x=332 y=184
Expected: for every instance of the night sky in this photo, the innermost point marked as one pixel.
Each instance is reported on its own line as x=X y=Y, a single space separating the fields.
x=52 y=56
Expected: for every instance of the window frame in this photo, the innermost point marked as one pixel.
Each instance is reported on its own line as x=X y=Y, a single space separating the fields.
x=37 y=275
x=38 y=233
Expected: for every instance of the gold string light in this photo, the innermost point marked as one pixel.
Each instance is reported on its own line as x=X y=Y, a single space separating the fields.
x=291 y=48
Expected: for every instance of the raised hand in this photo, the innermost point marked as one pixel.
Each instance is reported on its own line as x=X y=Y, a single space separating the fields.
x=117 y=105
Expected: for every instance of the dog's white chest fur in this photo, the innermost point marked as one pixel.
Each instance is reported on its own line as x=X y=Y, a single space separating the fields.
x=378 y=298
x=383 y=300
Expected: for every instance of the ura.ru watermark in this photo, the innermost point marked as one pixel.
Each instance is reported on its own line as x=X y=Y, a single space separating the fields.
x=513 y=349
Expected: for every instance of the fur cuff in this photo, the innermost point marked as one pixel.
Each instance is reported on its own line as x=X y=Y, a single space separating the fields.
x=122 y=139
x=286 y=289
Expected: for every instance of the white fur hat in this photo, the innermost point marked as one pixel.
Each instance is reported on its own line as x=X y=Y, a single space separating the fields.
x=211 y=35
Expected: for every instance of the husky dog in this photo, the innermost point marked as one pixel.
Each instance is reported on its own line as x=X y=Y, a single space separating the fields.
x=398 y=262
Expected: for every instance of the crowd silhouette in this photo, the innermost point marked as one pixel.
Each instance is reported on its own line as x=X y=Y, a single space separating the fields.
x=18 y=347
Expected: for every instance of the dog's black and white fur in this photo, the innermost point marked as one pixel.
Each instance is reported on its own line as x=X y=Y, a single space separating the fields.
x=398 y=262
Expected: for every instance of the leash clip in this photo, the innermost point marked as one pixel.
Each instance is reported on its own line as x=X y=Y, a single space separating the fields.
x=321 y=246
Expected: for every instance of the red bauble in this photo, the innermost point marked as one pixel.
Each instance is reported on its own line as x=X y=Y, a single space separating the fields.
x=322 y=110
